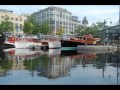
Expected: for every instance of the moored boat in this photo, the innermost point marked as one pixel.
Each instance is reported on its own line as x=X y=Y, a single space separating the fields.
x=52 y=43
x=82 y=40
x=22 y=42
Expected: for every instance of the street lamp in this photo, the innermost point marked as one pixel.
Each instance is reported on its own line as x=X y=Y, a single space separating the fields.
x=104 y=29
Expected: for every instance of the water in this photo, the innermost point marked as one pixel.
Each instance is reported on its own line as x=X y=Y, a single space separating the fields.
x=59 y=67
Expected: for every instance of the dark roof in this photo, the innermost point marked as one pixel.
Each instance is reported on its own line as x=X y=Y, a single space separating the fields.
x=85 y=21
x=4 y=10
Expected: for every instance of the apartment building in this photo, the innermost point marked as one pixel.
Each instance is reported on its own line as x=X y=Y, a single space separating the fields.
x=17 y=20
x=58 y=17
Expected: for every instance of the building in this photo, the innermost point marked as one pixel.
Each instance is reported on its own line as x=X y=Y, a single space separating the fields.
x=58 y=17
x=85 y=22
x=111 y=34
x=17 y=20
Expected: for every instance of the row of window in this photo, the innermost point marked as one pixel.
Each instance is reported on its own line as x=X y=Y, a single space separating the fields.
x=64 y=23
x=53 y=15
x=11 y=18
x=113 y=31
x=57 y=22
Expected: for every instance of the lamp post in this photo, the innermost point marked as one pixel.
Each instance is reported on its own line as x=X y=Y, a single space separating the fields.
x=104 y=29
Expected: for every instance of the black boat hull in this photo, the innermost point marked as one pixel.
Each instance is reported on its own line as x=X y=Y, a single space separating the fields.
x=8 y=46
x=67 y=43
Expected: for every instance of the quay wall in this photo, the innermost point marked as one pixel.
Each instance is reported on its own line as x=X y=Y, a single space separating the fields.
x=96 y=47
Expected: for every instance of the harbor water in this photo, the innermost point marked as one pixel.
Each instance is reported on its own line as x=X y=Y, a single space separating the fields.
x=62 y=66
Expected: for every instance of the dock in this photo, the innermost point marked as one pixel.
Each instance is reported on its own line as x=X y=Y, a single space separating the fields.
x=96 y=47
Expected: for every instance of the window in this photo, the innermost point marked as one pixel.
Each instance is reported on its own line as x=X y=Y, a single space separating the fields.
x=52 y=15
x=63 y=23
x=12 y=18
x=2 y=17
x=16 y=19
x=52 y=22
x=60 y=14
x=20 y=19
x=60 y=22
x=66 y=17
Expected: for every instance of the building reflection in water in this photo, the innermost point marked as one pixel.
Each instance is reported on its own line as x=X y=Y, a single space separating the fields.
x=56 y=63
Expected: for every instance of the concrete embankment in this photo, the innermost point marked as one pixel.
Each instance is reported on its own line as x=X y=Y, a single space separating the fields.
x=96 y=47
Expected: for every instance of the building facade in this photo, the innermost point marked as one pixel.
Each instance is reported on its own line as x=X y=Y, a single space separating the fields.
x=58 y=17
x=111 y=35
x=17 y=20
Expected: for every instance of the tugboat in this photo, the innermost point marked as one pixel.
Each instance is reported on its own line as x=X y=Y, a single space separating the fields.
x=82 y=40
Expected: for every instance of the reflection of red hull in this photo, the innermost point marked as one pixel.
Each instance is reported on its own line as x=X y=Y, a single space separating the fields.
x=23 y=54
x=85 y=56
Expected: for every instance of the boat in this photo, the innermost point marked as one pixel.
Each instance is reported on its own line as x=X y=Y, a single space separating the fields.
x=52 y=43
x=79 y=40
x=22 y=42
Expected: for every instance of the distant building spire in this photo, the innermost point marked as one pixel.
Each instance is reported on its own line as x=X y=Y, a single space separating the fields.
x=85 y=22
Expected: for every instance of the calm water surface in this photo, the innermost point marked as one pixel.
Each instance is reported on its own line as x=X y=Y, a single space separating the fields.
x=59 y=67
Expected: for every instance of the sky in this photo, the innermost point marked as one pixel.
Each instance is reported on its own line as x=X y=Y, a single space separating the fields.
x=94 y=13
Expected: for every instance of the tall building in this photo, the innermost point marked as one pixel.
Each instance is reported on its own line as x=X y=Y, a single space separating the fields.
x=58 y=17
x=17 y=20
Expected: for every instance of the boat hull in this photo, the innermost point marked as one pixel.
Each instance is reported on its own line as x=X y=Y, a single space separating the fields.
x=23 y=44
x=68 y=43
x=54 y=44
x=8 y=45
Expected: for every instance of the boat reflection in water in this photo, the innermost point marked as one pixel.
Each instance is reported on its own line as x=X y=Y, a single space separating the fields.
x=71 y=65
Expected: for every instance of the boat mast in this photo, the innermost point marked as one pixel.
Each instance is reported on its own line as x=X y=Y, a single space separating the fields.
x=119 y=27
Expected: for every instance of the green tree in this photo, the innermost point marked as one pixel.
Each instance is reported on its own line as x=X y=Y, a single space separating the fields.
x=28 y=27
x=36 y=29
x=95 y=27
x=6 y=25
x=60 y=31
x=78 y=30
x=31 y=26
x=45 y=28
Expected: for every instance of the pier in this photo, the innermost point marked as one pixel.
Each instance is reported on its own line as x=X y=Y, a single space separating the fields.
x=96 y=47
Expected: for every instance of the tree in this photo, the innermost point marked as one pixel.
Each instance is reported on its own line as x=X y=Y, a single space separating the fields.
x=36 y=29
x=60 y=31
x=45 y=28
x=78 y=30
x=28 y=27
x=94 y=29
x=31 y=26
x=6 y=25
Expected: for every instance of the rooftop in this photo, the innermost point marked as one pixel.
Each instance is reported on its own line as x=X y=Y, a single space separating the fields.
x=4 y=10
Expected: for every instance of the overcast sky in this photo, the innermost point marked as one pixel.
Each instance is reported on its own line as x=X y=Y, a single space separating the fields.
x=93 y=13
